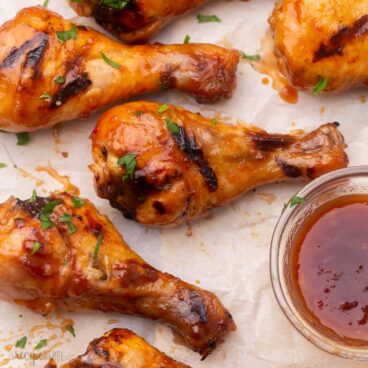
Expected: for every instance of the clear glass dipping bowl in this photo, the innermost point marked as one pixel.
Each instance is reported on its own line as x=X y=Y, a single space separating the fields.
x=353 y=180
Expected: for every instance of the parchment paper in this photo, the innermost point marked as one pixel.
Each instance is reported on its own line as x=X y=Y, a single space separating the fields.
x=227 y=252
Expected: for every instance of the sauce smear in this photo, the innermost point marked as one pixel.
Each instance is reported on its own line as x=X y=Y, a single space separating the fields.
x=330 y=266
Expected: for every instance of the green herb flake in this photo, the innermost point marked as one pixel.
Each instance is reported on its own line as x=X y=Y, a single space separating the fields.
x=255 y=57
x=2 y=165
x=207 y=18
x=172 y=127
x=295 y=200
x=45 y=96
x=36 y=247
x=320 y=86
x=97 y=247
x=33 y=196
x=49 y=207
x=59 y=80
x=186 y=39
x=21 y=343
x=162 y=108
x=46 y=222
x=41 y=344
x=64 y=36
x=70 y=328
x=46 y=3
x=67 y=219
x=109 y=61
x=214 y=121
x=115 y=4
x=23 y=139
x=138 y=113
x=129 y=161
x=77 y=202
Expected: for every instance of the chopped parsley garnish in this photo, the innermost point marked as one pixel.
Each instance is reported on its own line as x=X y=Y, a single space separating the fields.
x=109 y=61
x=45 y=96
x=46 y=222
x=295 y=200
x=36 y=247
x=78 y=202
x=207 y=18
x=172 y=127
x=64 y=36
x=162 y=108
x=115 y=4
x=21 y=343
x=2 y=165
x=46 y=3
x=186 y=39
x=130 y=162
x=41 y=344
x=59 y=80
x=320 y=86
x=67 y=219
x=70 y=328
x=23 y=139
x=49 y=207
x=98 y=246
x=214 y=121
x=33 y=196
x=255 y=57
x=138 y=113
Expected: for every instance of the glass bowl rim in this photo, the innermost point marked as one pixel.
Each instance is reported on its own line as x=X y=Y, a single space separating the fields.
x=324 y=343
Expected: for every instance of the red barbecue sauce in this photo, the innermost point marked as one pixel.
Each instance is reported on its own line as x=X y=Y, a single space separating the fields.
x=330 y=267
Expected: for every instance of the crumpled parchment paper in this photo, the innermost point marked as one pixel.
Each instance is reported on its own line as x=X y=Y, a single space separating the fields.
x=228 y=251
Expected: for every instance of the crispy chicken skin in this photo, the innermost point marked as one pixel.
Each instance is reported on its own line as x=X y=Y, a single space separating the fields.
x=46 y=78
x=322 y=39
x=138 y=20
x=83 y=263
x=121 y=348
x=186 y=164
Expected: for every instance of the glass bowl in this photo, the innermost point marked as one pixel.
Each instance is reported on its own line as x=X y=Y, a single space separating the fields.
x=345 y=182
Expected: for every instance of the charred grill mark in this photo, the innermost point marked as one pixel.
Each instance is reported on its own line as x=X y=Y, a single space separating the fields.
x=337 y=43
x=133 y=274
x=265 y=142
x=80 y=83
x=159 y=207
x=17 y=53
x=33 y=208
x=34 y=56
x=290 y=171
x=197 y=306
x=189 y=146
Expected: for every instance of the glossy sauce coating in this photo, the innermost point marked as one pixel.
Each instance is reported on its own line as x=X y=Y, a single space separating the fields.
x=139 y=20
x=181 y=174
x=72 y=272
x=32 y=57
x=121 y=348
x=331 y=266
x=324 y=38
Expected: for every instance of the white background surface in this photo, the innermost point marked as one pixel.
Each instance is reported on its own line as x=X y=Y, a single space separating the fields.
x=227 y=253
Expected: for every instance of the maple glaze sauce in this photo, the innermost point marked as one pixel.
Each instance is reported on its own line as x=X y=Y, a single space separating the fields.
x=330 y=267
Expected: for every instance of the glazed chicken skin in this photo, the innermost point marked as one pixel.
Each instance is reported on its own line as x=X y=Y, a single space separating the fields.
x=185 y=164
x=57 y=253
x=52 y=71
x=135 y=21
x=121 y=348
x=322 y=40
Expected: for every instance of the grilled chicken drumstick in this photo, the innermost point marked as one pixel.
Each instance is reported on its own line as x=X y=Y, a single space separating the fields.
x=121 y=348
x=134 y=21
x=161 y=165
x=60 y=252
x=322 y=42
x=52 y=70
